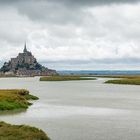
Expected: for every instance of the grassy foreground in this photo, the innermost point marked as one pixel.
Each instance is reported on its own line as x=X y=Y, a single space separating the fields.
x=20 y=132
x=64 y=78
x=15 y=99
x=18 y=99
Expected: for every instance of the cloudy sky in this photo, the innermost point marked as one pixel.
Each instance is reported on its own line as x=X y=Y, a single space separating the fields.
x=73 y=34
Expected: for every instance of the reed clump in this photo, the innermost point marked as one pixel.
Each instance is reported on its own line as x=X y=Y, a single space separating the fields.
x=11 y=99
x=21 y=132
x=64 y=78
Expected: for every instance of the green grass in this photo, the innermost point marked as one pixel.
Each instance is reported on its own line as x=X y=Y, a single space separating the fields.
x=128 y=81
x=20 y=132
x=11 y=99
x=8 y=105
x=64 y=78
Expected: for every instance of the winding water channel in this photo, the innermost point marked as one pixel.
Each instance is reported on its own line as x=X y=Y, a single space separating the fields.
x=79 y=110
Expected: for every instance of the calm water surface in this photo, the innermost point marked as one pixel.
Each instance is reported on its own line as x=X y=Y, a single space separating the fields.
x=79 y=110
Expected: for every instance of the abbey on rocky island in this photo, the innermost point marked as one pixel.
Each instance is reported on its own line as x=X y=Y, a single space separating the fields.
x=25 y=64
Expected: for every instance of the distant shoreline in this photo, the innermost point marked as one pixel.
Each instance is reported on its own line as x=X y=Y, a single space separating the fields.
x=99 y=72
x=86 y=73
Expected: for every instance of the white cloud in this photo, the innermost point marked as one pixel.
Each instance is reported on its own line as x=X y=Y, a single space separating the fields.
x=104 y=36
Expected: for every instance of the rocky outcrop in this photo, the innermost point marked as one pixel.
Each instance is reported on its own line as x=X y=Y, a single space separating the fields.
x=25 y=64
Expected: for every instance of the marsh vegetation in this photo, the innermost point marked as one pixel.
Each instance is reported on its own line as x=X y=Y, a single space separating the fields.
x=11 y=99
x=65 y=78
x=21 y=132
x=128 y=81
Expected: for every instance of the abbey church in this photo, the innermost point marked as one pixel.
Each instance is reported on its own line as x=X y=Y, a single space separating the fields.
x=25 y=64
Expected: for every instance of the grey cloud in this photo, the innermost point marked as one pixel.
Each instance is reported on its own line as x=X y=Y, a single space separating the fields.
x=60 y=11
x=130 y=63
x=99 y=61
x=50 y=12
x=79 y=3
x=72 y=2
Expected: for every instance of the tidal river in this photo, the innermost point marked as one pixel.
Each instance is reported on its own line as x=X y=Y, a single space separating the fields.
x=79 y=110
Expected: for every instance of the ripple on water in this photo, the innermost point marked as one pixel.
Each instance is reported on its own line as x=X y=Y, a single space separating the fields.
x=41 y=110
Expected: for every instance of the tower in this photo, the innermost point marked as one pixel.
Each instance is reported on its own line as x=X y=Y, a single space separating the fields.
x=25 y=49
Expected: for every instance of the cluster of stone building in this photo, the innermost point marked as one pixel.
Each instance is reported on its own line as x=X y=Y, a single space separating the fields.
x=25 y=64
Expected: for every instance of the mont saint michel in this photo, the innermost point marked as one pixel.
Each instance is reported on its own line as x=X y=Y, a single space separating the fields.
x=25 y=64
x=93 y=93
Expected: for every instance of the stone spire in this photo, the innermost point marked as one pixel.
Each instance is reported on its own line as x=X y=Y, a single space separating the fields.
x=25 y=49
